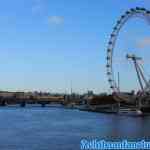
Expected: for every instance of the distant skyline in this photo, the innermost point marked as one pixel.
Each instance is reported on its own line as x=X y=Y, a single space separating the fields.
x=48 y=45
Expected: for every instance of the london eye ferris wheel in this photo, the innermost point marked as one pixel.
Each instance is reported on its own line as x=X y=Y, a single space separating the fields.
x=143 y=82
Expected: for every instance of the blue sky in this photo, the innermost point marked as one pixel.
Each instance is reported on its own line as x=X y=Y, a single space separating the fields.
x=48 y=44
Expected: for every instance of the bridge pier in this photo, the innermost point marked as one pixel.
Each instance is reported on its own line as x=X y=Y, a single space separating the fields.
x=3 y=103
x=23 y=104
x=43 y=104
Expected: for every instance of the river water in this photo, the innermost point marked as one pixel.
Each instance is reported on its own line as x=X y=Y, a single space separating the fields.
x=53 y=128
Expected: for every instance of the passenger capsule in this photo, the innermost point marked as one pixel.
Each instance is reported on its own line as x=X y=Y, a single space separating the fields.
x=127 y=12
x=110 y=42
x=108 y=73
x=143 y=9
x=148 y=12
x=111 y=87
x=109 y=80
x=132 y=9
x=108 y=50
x=107 y=66
x=108 y=58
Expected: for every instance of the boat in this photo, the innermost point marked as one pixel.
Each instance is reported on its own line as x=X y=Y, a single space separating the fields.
x=130 y=112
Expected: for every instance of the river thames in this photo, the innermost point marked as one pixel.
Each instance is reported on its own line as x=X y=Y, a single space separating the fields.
x=54 y=128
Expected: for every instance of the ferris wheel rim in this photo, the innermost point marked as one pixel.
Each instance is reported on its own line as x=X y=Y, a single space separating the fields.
x=131 y=13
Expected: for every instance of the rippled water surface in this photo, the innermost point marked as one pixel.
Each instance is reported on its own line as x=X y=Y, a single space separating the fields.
x=51 y=128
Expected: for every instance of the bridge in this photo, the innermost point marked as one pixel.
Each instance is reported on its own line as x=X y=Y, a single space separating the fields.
x=23 y=99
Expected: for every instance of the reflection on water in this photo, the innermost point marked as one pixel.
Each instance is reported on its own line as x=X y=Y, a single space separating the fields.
x=35 y=128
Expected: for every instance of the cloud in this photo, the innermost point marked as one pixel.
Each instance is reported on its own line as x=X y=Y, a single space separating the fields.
x=36 y=9
x=143 y=43
x=55 y=19
x=38 y=6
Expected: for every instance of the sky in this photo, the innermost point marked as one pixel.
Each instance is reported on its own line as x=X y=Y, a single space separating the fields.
x=53 y=45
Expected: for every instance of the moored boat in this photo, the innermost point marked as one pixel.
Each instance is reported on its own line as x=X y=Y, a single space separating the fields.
x=130 y=112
